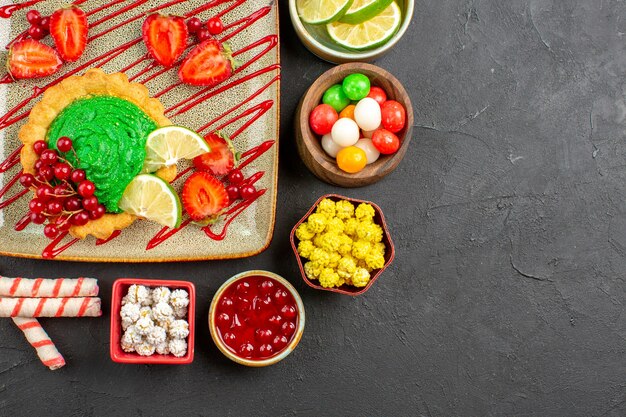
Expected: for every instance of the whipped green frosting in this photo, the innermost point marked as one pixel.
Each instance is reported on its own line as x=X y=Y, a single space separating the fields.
x=109 y=136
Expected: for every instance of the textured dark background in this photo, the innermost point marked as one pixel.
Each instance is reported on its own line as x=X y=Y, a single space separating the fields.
x=507 y=293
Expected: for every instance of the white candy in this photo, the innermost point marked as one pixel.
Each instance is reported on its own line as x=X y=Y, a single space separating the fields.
x=329 y=146
x=139 y=294
x=127 y=342
x=179 y=299
x=130 y=311
x=144 y=325
x=161 y=311
x=163 y=348
x=145 y=349
x=145 y=312
x=345 y=132
x=178 y=347
x=367 y=114
x=369 y=133
x=132 y=335
x=156 y=336
x=126 y=323
x=180 y=313
x=161 y=295
x=179 y=329
x=371 y=153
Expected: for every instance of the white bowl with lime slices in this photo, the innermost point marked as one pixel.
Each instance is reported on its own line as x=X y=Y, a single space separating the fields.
x=342 y=31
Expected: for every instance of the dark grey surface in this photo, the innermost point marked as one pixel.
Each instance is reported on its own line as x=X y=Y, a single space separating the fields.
x=507 y=293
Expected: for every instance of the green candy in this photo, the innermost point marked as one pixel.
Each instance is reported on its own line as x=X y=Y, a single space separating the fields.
x=356 y=86
x=336 y=98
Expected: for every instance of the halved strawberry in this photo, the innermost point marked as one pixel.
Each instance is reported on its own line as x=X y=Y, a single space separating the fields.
x=29 y=58
x=222 y=157
x=68 y=28
x=208 y=64
x=165 y=37
x=204 y=196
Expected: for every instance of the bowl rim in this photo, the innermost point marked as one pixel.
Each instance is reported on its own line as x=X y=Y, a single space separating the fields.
x=371 y=54
x=287 y=349
x=309 y=139
x=116 y=353
x=374 y=278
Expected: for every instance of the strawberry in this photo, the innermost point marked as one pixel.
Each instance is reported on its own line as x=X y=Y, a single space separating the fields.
x=221 y=159
x=31 y=59
x=204 y=196
x=68 y=28
x=165 y=37
x=208 y=64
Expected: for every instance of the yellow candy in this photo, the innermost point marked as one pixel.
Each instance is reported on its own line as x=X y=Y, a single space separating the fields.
x=305 y=247
x=344 y=209
x=326 y=207
x=345 y=246
x=329 y=278
x=346 y=267
x=378 y=248
x=320 y=256
x=364 y=212
x=360 y=249
x=312 y=269
x=360 y=277
x=374 y=261
x=329 y=242
x=334 y=260
x=317 y=222
x=369 y=231
x=350 y=226
x=303 y=232
x=335 y=225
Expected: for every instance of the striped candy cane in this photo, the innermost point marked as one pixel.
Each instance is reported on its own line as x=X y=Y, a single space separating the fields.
x=50 y=307
x=38 y=338
x=40 y=287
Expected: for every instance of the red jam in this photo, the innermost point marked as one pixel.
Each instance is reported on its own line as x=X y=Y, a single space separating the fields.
x=256 y=317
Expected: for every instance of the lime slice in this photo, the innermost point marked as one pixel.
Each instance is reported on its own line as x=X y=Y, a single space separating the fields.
x=152 y=198
x=317 y=12
x=167 y=145
x=362 y=10
x=369 y=34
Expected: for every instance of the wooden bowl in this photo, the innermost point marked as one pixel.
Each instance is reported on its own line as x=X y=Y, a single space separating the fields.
x=379 y=219
x=309 y=144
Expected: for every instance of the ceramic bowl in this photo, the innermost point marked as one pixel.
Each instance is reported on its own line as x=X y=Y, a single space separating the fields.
x=120 y=289
x=379 y=219
x=316 y=39
x=309 y=144
x=285 y=351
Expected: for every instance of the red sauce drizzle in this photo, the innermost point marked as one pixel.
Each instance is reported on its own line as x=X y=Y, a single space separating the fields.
x=7 y=11
x=110 y=238
x=12 y=160
x=51 y=251
x=23 y=222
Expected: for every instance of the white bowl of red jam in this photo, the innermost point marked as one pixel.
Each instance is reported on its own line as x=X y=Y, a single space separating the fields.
x=256 y=318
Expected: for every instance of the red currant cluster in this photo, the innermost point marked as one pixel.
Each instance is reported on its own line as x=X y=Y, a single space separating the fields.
x=214 y=26
x=237 y=189
x=39 y=25
x=63 y=196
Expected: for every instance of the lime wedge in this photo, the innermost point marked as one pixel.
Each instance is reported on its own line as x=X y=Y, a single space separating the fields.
x=317 y=12
x=149 y=197
x=165 y=146
x=369 y=34
x=362 y=10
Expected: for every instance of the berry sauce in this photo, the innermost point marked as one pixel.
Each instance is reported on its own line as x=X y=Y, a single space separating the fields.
x=256 y=317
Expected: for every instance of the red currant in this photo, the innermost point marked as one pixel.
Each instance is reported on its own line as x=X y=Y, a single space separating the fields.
x=266 y=350
x=45 y=23
x=36 y=205
x=235 y=177
x=223 y=320
x=78 y=175
x=64 y=144
x=266 y=286
x=203 y=35
x=280 y=342
x=86 y=188
x=37 y=218
x=90 y=203
x=194 y=25
x=72 y=204
x=288 y=311
x=27 y=180
x=44 y=192
x=38 y=165
x=215 y=26
x=63 y=223
x=80 y=219
x=264 y=335
x=54 y=207
x=49 y=157
x=40 y=146
x=61 y=190
x=233 y=192
x=288 y=328
x=45 y=173
x=275 y=320
x=50 y=231
x=247 y=192
x=62 y=170
x=36 y=32
x=281 y=296
x=98 y=212
x=246 y=350
x=33 y=17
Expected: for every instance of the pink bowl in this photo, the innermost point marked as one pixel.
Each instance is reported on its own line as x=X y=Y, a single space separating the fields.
x=379 y=218
x=120 y=288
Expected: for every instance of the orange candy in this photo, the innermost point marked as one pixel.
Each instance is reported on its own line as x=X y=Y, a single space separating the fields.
x=348 y=112
x=351 y=159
